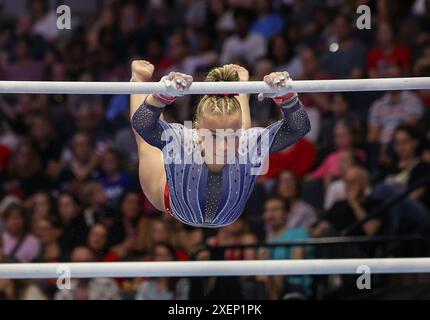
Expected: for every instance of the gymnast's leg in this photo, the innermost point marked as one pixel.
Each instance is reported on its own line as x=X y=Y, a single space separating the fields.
x=152 y=174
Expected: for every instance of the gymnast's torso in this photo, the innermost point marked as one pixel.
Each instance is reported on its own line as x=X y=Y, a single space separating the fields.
x=199 y=197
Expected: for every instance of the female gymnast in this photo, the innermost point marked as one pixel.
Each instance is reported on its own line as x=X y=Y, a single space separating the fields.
x=212 y=189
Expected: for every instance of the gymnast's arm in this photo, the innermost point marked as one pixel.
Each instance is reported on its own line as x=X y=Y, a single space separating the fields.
x=294 y=125
x=146 y=121
x=142 y=71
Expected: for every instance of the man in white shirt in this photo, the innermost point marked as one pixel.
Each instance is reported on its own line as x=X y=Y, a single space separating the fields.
x=244 y=44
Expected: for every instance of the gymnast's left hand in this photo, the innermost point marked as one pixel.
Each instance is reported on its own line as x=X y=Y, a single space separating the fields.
x=280 y=82
x=177 y=83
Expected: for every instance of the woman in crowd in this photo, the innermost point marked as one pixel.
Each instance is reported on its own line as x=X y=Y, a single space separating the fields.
x=345 y=137
x=161 y=288
x=18 y=244
x=301 y=214
x=75 y=228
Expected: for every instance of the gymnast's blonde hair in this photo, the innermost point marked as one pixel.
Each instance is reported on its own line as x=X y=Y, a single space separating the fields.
x=218 y=105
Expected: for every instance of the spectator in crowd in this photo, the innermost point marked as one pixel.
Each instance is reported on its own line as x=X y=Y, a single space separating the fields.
x=22 y=289
x=301 y=214
x=189 y=238
x=18 y=244
x=46 y=143
x=178 y=51
x=162 y=288
x=97 y=208
x=74 y=227
x=386 y=113
x=88 y=289
x=336 y=190
x=243 y=44
x=24 y=66
x=312 y=71
x=339 y=110
x=208 y=288
x=299 y=158
x=268 y=22
x=409 y=169
x=48 y=230
x=275 y=214
x=45 y=20
x=156 y=54
x=236 y=233
x=5 y=154
x=317 y=29
x=151 y=231
x=422 y=68
x=204 y=55
x=279 y=230
x=41 y=205
x=387 y=52
x=357 y=206
x=345 y=137
x=262 y=112
x=98 y=243
x=410 y=214
x=345 y=56
x=281 y=56
x=81 y=165
x=123 y=233
x=316 y=103
x=4 y=204
x=25 y=173
x=116 y=181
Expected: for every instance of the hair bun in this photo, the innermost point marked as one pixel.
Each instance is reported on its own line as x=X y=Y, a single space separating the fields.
x=224 y=73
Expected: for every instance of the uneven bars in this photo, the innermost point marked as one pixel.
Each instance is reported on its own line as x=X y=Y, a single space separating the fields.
x=212 y=268
x=64 y=87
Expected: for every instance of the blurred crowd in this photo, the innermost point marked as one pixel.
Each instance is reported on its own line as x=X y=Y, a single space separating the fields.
x=69 y=189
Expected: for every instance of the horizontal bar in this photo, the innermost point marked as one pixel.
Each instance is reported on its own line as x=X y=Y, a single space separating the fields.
x=64 y=87
x=212 y=268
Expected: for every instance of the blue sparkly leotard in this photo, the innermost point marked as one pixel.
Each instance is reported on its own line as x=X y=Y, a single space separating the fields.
x=199 y=197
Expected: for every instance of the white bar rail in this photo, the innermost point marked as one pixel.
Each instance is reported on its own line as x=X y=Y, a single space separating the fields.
x=300 y=86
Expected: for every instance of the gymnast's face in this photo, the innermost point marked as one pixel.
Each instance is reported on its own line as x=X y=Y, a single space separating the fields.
x=219 y=137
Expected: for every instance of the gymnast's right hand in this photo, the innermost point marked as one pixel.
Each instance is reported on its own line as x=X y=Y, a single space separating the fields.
x=176 y=84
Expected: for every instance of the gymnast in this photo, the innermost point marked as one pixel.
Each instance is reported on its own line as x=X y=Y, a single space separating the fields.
x=213 y=188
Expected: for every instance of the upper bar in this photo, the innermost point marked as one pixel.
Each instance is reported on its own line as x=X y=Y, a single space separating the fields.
x=345 y=85
x=212 y=268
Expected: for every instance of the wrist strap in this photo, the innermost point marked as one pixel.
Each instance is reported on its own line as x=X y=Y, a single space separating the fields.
x=286 y=100
x=164 y=98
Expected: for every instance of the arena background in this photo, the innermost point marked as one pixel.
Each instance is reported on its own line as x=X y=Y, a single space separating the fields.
x=69 y=189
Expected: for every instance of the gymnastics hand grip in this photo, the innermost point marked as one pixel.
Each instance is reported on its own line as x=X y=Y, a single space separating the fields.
x=281 y=83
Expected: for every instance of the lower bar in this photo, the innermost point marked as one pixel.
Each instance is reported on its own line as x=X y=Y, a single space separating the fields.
x=212 y=268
